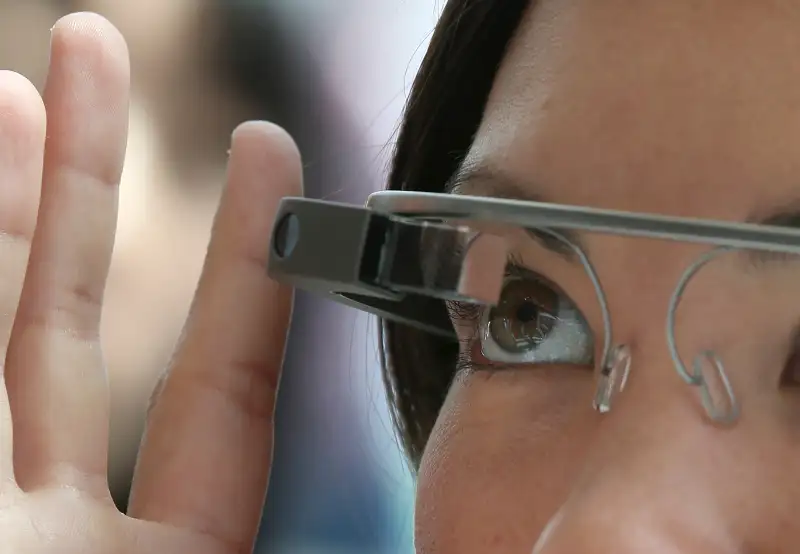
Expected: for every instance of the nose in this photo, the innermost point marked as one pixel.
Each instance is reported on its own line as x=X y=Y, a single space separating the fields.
x=591 y=526
x=652 y=481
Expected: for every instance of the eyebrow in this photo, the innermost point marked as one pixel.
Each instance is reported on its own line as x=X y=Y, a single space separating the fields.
x=482 y=178
x=787 y=216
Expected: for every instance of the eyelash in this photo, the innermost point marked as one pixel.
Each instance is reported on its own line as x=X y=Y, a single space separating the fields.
x=471 y=316
x=464 y=313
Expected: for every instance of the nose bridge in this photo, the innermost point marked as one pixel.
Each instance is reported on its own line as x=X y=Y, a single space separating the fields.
x=657 y=423
x=650 y=481
x=651 y=313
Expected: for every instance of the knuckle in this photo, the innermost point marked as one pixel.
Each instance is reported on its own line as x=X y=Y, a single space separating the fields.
x=75 y=312
x=247 y=386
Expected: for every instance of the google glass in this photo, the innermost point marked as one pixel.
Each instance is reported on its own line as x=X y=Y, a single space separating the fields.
x=403 y=246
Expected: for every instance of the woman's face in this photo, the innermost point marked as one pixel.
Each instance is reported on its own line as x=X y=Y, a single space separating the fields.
x=678 y=108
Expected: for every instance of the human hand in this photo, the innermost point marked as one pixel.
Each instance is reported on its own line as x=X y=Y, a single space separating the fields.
x=204 y=462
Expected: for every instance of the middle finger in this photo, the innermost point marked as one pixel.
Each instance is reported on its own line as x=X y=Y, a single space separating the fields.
x=57 y=382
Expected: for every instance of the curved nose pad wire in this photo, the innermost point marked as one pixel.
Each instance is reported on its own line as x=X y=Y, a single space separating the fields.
x=614 y=366
x=724 y=411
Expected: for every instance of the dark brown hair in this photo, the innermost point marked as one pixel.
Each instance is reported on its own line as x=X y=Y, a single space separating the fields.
x=443 y=113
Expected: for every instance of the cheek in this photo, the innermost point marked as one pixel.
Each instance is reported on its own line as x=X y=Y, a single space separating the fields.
x=496 y=469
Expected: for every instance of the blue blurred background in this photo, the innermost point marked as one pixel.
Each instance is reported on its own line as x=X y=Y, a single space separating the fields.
x=335 y=73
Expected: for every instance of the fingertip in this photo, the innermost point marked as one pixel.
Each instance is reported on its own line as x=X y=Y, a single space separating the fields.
x=255 y=130
x=87 y=95
x=22 y=111
x=90 y=34
x=269 y=149
x=88 y=24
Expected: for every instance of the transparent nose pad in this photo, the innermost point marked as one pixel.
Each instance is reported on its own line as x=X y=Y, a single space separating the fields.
x=716 y=390
x=613 y=378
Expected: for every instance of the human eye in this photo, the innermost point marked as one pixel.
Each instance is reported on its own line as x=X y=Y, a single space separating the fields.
x=534 y=322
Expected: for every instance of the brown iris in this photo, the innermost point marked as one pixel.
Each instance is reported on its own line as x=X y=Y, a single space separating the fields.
x=524 y=316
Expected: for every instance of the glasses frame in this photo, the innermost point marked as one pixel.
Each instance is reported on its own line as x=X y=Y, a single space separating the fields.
x=333 y=241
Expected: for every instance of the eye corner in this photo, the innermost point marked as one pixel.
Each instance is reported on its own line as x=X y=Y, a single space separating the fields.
x=790 y=375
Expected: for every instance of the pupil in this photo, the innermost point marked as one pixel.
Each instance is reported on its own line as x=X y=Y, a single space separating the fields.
x=527 y=312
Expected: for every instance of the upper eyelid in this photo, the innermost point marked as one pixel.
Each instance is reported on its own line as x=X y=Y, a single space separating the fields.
x=550 y=242
x=760 y=259
x=516 y=267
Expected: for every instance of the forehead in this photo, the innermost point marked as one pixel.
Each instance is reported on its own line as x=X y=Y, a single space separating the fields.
x=685 y=107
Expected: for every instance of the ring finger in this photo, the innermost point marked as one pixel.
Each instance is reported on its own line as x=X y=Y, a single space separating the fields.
x=22 y=132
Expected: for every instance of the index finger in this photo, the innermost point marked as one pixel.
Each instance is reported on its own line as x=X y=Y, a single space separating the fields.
x=204 y=463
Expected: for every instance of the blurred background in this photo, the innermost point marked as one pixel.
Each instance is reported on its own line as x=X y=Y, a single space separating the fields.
x=335 y=73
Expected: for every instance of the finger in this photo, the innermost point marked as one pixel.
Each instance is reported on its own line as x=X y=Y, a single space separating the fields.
x=205 y=459
x=6 y=438
x=22 y=131
x=56 y=378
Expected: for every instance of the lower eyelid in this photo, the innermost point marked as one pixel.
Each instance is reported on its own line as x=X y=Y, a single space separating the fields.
x=476 y=352
x=471 y=356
